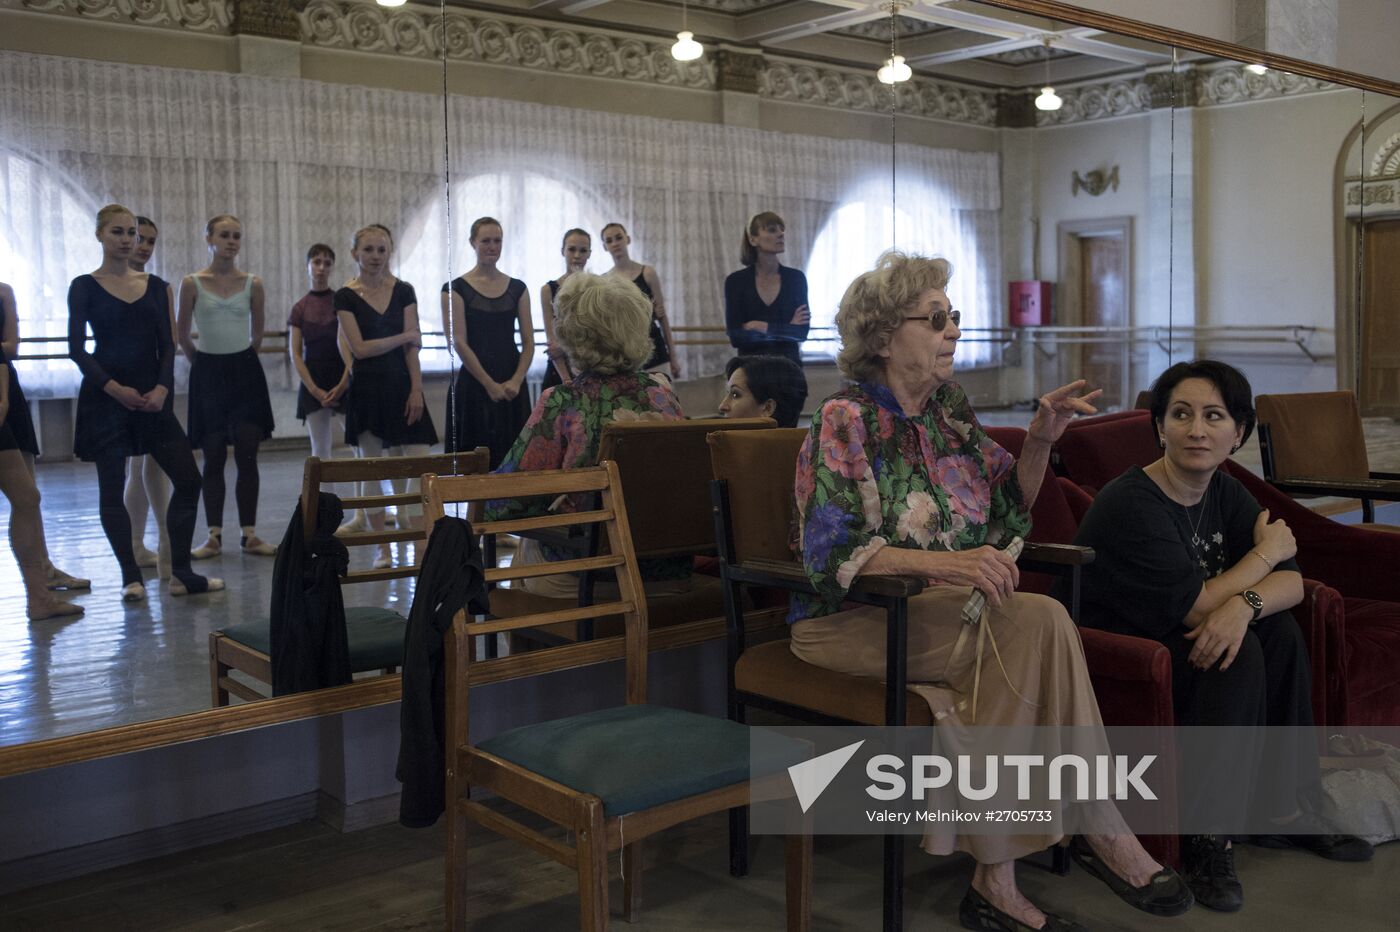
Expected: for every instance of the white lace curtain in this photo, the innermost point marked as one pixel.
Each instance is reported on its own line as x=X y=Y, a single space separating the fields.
x=301 y=161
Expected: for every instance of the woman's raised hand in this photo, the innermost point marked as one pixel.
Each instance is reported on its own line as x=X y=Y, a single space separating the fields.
x=1274 y=538
x=1054 y=410
x=986 y=568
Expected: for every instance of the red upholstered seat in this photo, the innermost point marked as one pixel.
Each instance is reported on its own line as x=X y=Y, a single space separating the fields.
x=1349 y=573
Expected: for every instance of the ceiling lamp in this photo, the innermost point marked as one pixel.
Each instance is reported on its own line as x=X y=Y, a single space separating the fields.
x=686 y=48
x=894 y=70
x=392 y=2
x=1048 y=99
x=1257 y=68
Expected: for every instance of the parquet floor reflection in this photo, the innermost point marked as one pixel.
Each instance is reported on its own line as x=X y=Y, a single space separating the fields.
x=131 y=662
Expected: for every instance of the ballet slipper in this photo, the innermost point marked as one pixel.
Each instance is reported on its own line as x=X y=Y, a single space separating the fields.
x=134 y=592
x=384 y=558
x=211 y=547
x=210 y=584
x=144 y=557
x=257 y=547
x=40 y=609
x=57 y=579
x=356 y=522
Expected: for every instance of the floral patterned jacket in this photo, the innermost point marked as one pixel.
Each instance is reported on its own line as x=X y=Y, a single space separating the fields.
x=869 y=477
x=564 y=432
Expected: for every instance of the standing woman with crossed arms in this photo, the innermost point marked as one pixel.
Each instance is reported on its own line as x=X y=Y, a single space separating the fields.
x=228 y=400
x=17 y=421
x=765 y=302
x=122 y=410
x=384 y=409
x=481 y=310
x=663 y=357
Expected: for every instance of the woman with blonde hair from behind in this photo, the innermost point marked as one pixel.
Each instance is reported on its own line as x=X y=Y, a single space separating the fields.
x=602 y=323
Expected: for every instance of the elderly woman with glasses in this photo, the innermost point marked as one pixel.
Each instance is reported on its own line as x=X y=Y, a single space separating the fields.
x=897 y=477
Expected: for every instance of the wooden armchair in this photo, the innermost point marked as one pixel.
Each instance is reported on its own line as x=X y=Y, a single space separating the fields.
x=664 y=468
x=753 y=512
x=375 y=633
x=611 y=777
x=1311 y=443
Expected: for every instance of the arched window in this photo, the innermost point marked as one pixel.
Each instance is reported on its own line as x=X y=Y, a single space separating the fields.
x=867 y=224
x=534 y=210
x=43 y=225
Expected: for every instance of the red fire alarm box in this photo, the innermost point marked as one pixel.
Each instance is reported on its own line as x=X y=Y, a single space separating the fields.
x=1029 y=304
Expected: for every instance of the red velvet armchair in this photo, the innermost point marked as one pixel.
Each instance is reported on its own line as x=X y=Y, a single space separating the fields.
x=1350 y=616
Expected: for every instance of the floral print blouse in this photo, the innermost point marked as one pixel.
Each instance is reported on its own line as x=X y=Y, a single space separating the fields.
x=868 y=477
x=564 y=432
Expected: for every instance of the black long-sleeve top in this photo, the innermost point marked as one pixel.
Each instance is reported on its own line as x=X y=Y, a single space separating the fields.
x=742 y=304
x=132 y=341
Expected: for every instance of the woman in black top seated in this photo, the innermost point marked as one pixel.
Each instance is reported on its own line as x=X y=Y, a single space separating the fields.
x=122 y=409
x=1185 y=556
x=765 y=303
x=764 y=386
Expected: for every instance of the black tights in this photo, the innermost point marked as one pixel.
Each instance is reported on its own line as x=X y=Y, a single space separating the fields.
x=172 y=454
x=246 y=438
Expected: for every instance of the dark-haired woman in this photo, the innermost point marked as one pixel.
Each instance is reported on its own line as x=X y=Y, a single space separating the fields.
x=1187 y=557
x=483 y=310
x=577 y=247
x=122 y=409
x=618 y=242
x=765 y=302
x=228 y=401
x=764 y=386
x=20 y=424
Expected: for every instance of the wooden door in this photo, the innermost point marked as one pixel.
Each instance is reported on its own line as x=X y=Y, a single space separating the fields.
x=1103 y=303
x=1380 y=320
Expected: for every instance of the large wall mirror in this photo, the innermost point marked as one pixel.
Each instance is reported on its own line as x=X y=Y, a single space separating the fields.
x=1152 y=197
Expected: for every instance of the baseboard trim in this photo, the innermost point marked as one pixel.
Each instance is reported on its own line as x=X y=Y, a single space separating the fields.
x=352 y=818
x=24 y=873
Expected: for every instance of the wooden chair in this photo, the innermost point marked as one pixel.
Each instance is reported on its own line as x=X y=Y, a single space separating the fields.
x=1311 y=443
x=375 y=633
x=664 y=467
x=753 y=512
x=611 y=777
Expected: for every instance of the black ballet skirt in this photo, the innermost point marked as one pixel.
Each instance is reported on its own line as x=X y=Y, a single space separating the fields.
x=474 y=419
x=133 y=346
x=660 y=354
x=18 y=426
x=380 y=385
x=226 y=390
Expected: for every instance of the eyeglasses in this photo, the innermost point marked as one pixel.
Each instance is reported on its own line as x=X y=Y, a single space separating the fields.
x=939 y=318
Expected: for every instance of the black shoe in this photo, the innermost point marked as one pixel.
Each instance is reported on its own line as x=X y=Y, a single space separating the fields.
x=1166 y=894
x=1210 y=873
x=1311 y=834
x=978 y=914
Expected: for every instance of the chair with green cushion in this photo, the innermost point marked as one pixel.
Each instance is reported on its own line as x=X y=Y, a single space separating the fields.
x=605 y=779
x=375 y=632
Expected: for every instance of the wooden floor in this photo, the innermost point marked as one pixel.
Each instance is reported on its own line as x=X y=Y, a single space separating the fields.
x=309 y=877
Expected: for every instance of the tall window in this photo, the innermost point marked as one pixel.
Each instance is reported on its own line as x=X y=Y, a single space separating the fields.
x=46 y=240
x=534 y=211
x=866 y=225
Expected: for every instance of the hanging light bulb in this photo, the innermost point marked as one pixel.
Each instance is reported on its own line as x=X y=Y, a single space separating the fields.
x=894 y=70
x=1048 y=99
x=686 y=48
x=392 y=2
x=1257 y=68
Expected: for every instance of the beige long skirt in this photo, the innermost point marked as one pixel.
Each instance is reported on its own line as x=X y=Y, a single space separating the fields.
x=1045 y=682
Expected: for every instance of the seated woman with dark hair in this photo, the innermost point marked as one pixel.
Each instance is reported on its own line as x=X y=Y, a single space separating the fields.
x=602 y=323
x=764 y=386
x=1187 y=557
